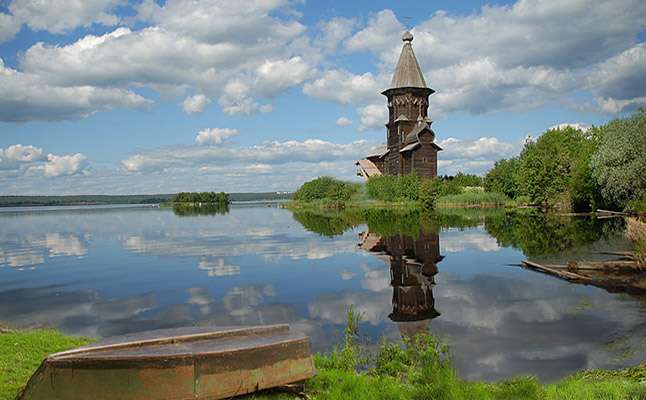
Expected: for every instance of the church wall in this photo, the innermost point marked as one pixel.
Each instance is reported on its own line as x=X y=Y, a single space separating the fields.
x=425 y=161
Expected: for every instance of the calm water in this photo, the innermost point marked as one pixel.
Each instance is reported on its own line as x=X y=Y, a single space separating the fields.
x=102 y=272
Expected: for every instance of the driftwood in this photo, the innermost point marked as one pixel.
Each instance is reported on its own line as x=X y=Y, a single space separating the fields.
x=621 y=254
x=632 y=281
x=611 y=265
x=600 y=211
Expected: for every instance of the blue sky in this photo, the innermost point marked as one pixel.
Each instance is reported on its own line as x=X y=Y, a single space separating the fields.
x=109 y=96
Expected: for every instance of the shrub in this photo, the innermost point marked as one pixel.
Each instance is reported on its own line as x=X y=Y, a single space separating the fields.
x=394 y=188
x=325 y=188
x=429 y=191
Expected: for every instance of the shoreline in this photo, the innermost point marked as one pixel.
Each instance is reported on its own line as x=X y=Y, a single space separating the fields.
x=422 y=366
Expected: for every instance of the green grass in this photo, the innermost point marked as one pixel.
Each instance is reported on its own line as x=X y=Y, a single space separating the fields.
x=22 y=352
x=474 y=199
x=420 y=368
x=637 y=206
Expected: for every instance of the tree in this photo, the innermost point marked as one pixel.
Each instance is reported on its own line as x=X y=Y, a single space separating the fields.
x=544 y=170
x=500 y=178
x=619 y=163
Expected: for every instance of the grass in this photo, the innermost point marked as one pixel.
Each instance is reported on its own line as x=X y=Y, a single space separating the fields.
x=21 y=352
x=419 y=368
x=636 y=206
x=474 y=199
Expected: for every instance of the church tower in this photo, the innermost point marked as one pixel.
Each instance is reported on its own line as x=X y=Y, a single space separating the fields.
x=410 y=142
x=408 y=117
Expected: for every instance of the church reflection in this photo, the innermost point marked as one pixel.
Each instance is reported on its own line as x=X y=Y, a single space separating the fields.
x=413 y=266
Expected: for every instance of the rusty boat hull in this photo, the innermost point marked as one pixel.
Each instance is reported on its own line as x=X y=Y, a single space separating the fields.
x=186 y=363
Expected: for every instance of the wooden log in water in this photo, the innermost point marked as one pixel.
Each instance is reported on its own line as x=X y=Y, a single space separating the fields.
x=622 y=254
x=562 y=273
x=610 y=265
x=600 y=211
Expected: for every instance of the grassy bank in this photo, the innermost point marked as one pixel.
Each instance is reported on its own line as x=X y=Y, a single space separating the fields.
x=420 y=369
x=21 y=352
x=408 y=191
x=474 y=200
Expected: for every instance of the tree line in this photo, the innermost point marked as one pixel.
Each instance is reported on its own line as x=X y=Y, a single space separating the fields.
x=568 y=168
x=201 y=198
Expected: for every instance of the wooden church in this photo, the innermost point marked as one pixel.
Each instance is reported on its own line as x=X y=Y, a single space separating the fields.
x=410 y=143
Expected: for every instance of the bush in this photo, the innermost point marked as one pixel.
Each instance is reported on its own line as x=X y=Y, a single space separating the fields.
x=325 y=188
x=394 y=188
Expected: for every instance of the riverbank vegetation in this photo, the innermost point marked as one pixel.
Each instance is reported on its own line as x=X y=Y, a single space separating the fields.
x=201 y=198
x=397 y=191
x=420 y=367
x=572 y=169
x=564 y=169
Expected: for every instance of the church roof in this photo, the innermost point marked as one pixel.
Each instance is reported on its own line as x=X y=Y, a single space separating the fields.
x=412 y=139
x=408 y=73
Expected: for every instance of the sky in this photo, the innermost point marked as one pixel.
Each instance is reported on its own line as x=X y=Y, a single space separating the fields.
x=152 y=96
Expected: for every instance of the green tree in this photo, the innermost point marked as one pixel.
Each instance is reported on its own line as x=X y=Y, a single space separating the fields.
x=619 y=163
x=544 y=171
x=500 y=179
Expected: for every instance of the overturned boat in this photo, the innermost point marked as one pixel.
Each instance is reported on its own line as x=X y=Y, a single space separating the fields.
x=185 y=363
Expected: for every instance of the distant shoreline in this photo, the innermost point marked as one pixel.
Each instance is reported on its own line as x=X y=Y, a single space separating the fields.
x=136 y=199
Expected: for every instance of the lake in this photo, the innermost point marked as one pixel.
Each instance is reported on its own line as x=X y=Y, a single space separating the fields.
x=106 y=271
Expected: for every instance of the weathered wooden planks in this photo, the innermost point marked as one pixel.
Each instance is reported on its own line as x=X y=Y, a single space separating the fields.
x=188 y=363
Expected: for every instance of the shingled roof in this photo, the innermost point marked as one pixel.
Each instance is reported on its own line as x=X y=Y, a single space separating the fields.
x=408 y=73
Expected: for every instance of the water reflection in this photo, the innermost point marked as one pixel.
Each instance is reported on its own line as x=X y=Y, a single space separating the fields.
x=413 y=266
x=103 y=273
x=185 y=210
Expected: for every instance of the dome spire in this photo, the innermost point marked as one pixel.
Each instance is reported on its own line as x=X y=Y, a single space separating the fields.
x=408 y=72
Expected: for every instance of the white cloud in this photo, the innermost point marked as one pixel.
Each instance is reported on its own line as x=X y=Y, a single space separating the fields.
x=59 y=16
x=344 y=121
x=373 y=116
x=275 y=76
x=334 y=31
x=213 y=136
x=260 y=168
x=218 y=21
x=344 y=87
x=64 y=245
x=482 y=147
x=218 y=267
x=619 y=81
x=18 y=153
x=271 y=152
x=613 y=106
x=576 y=125
x=487 y=61
x=472 y=156
x=382 y=33
x=236 y=100
x=9 y=26
x=195 y=104
x=28 y=159
x=190 y=49
x=458 y=241
x=63 y=165
x=26 y=97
